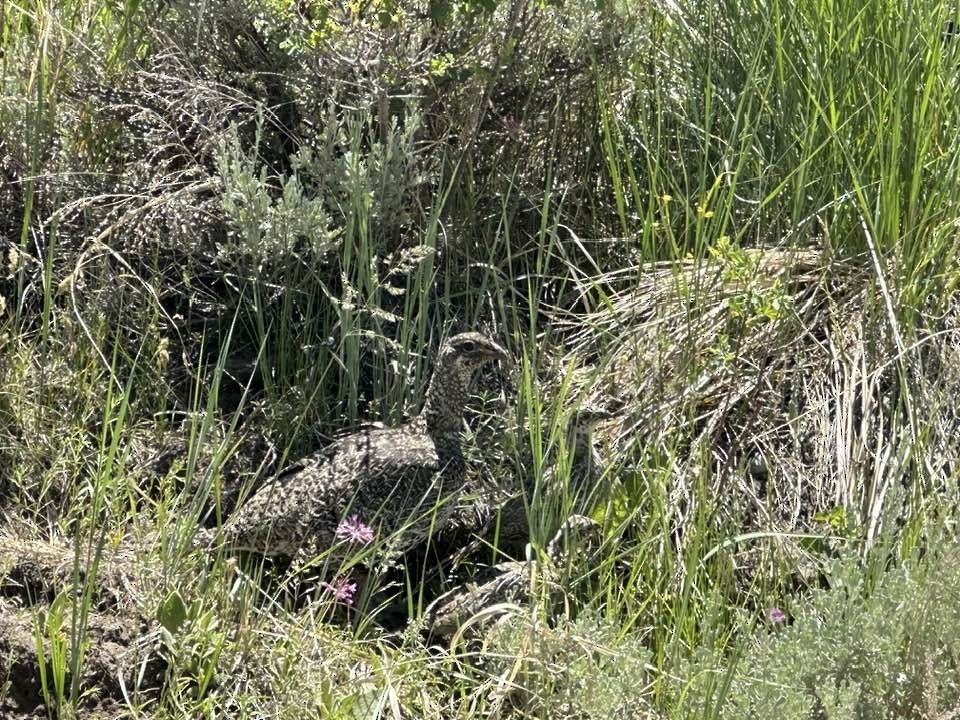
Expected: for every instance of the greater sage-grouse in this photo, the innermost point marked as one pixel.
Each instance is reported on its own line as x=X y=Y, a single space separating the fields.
x=513 y=531
x=507 y=585
x=390 y=479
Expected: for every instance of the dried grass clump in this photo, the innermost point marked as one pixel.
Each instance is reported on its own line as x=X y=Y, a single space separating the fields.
x=771 y=377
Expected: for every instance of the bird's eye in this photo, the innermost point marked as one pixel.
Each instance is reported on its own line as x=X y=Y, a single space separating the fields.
x=469 y=346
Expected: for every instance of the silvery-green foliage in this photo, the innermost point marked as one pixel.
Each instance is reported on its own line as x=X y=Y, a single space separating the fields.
x=268 y=229
x=851 y=651
x=585 y=668
x=362 y=167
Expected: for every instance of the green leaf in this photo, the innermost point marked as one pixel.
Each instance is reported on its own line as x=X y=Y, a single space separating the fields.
x=172 y=612
x=836 y=518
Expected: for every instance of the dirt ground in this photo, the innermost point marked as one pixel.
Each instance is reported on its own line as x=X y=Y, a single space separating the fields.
x=122 y=649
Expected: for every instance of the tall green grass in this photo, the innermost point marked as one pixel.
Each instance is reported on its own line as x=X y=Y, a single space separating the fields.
x=696 y=134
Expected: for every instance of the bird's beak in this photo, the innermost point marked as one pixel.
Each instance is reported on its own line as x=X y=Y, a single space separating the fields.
x=495 y=352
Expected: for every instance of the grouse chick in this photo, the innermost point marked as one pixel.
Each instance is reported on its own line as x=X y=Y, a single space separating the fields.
x=576 y=544
x=513 y=532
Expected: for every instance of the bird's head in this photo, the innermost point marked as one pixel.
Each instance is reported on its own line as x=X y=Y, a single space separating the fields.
x=458 y=361
x=586 y=417
x=467 y=352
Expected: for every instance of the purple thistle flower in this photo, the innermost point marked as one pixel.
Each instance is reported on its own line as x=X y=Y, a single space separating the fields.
x=341 y=589
x=776 y=615
x=354 y=530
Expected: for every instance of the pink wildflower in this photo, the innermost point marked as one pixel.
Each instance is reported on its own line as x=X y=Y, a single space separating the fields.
x=341 y=589
x=776 y=615
x=354 y=530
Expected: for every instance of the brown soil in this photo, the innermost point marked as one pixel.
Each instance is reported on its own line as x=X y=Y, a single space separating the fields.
x=122 y=656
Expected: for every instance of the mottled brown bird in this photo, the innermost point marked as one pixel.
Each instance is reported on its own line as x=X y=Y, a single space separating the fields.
x=513 y=532
x=506 y=585
x=390 y=479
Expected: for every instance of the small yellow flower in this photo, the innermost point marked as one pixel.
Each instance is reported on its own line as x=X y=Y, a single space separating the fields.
x=117 y=538
x=64 y=284
x=162 y=356
x=13 y=260
x=703 y=212
x=665 y=198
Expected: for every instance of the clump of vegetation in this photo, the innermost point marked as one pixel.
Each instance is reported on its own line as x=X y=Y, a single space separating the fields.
x=229 y=230
x=865 y=647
